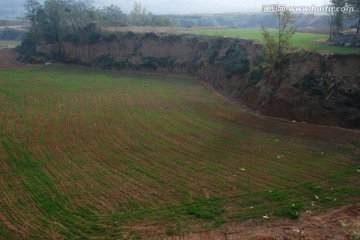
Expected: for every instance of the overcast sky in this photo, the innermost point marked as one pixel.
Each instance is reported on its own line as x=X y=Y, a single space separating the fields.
x=204 y=6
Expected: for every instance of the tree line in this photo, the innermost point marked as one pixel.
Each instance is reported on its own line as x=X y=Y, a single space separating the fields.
x=54 y=19
x=337 y=18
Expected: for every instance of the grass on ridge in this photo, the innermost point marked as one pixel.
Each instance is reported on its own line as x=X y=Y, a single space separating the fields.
x=9 y=43
x=299 y=40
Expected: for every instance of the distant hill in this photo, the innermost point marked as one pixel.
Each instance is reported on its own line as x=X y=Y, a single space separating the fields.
x=252 y=20
x=12 y=9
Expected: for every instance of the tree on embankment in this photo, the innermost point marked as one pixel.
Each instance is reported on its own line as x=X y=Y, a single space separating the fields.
x=277 y=44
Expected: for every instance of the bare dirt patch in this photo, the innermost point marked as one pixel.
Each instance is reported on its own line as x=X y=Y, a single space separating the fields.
x=8 y=58
x=142 y=29
x=340 y=223
x=321 y=41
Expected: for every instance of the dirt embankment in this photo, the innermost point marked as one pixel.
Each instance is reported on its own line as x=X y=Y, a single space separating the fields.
x=8 y=58
x=305 y=87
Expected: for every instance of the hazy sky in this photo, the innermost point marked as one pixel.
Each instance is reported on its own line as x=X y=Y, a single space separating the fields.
x=204 y=6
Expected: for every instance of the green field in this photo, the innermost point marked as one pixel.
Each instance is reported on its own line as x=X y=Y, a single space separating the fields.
x=9 y=43
x=93 y=154
x=299 y=40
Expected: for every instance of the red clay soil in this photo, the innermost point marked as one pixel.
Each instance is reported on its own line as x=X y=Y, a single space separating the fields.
x=8 y=58
x=336 y=224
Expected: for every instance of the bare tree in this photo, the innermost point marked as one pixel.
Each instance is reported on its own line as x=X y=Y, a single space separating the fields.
x=285 y=29
x=338 y=16
x=277 y=45
x=356 y=5
x=33 y=8
x=269 y=46
x=63 y=17
x=330 y=16
x=113 y=15
x=139 y=14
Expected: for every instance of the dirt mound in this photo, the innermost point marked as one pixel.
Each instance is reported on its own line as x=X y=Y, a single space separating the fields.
x=8 y=58
x=341 y=223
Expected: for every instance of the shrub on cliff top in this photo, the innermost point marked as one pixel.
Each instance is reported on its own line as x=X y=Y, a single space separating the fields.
x=109 y=62
x=236 y=61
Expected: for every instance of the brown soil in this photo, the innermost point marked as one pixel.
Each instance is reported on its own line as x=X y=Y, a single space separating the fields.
x=341 y=223
x=321 y=41
x=142 y=29
x=8 y=58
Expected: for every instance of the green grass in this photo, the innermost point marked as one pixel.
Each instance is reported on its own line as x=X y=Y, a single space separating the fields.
x=95 y=154
x=9 y=43
x=299 y=40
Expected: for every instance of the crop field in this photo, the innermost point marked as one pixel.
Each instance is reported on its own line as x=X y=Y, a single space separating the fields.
x=299 y=40
x=105 y=155
x=9 y=43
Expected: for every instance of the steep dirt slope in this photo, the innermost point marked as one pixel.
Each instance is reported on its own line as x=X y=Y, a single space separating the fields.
x=8 y=58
